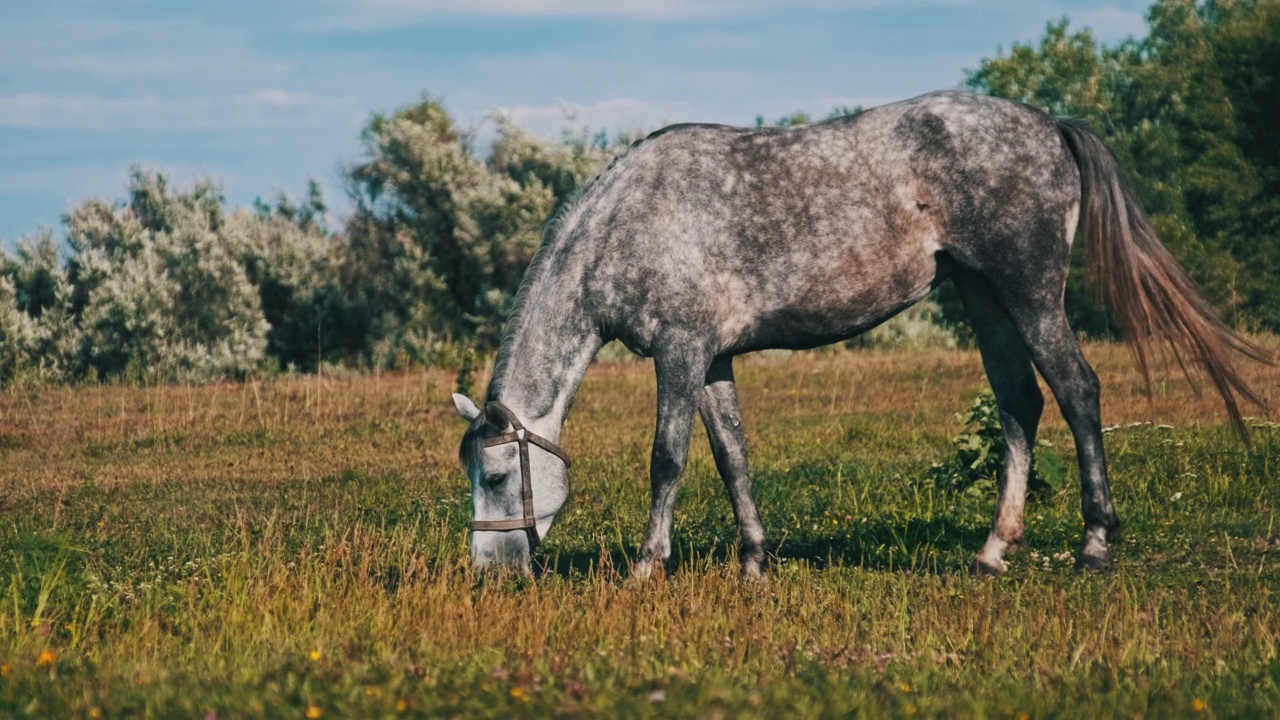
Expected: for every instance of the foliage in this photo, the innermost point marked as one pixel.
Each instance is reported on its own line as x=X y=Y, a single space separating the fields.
x=298 y=269
x=166 y=286
x=39 y=339
x=1189 y=110
x=465 y=382
x=157 y=291
x=440 y=238
x=171 y=285
x=979 y=455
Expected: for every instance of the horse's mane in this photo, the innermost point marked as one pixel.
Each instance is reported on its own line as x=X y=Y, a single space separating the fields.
x=553 y=234
x=517 y=316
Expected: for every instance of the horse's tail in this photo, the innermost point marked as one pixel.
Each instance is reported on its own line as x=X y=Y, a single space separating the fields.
x=1141 y=283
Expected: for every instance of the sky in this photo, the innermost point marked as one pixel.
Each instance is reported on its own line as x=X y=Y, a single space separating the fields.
x=262 y=95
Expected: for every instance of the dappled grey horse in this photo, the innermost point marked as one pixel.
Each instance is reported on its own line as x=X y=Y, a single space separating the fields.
x=705 y=241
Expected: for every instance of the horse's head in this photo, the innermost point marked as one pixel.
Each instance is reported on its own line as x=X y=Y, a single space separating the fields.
x=509 y=519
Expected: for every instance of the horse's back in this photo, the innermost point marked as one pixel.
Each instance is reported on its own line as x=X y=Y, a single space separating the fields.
x=799 y=236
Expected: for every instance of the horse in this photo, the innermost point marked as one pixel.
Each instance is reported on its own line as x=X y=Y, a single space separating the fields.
x=702 y=242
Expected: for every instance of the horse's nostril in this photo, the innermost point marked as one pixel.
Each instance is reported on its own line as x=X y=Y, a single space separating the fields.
x=500 y=550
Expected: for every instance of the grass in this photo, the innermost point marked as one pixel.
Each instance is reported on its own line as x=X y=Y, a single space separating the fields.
x=297 y=547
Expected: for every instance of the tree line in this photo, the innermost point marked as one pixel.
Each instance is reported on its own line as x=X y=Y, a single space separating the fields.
x=171 y=284
x=1191 y=111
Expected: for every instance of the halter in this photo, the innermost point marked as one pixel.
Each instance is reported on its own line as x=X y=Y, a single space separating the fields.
x=520 y=435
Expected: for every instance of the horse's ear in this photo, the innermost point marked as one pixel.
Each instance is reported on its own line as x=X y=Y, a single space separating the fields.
x=466 y=408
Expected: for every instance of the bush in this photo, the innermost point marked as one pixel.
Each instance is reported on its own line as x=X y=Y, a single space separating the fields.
x=39 y=340
x=979 y=453
x=158 y=291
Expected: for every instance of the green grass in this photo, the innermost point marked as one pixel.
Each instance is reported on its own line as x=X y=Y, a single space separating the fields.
x=299 y=545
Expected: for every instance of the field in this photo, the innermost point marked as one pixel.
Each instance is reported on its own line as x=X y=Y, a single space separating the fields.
x=296 y=547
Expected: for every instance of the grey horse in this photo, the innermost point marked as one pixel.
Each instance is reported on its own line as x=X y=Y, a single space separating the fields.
x=703 y=242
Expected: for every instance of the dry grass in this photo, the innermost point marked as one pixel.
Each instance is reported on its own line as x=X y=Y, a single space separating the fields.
x=267 y=548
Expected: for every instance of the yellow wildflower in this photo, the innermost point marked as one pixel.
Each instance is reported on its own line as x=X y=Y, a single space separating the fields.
x=517 y=693
x=95 y=713
x=314 y=711
x=46 y=658
x=5 y=670
x=1024 y=716
x=1198 y=705
x=402 y=705
x=314 y=655
x=904 y=687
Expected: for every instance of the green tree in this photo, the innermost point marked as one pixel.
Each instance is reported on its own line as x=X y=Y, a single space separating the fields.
x=1177 y=107
x=441 y=238
x=296 y=266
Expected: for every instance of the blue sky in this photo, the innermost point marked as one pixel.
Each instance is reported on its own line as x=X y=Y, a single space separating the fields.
x=262 y=94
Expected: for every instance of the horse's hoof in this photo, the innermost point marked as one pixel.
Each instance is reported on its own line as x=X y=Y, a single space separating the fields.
x=645 y=570
x=751 y=573
x=1093 y=562
x=984 y=566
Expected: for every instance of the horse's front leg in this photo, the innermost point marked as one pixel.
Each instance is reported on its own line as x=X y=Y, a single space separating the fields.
x=718 y=405
x=682 y=369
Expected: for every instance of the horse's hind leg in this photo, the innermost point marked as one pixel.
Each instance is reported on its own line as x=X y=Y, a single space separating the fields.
x=1057 y=354
x=718 y=404
x=1013 y=380
x=681 y=364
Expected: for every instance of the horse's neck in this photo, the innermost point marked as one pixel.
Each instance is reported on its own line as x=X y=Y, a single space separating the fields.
x=541 y=362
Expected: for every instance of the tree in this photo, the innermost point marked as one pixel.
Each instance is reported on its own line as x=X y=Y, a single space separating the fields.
x=440 y=239
x=296 y=265
x=1173 y=105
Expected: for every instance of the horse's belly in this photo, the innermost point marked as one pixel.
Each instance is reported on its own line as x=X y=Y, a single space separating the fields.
x=839 y=301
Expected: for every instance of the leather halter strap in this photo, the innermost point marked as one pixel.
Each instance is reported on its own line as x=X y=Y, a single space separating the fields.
x=528 y=522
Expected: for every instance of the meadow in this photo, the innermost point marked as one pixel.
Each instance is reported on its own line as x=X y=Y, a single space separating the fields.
x=296 y=546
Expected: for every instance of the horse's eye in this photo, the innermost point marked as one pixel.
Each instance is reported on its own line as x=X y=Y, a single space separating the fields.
x=494 y=479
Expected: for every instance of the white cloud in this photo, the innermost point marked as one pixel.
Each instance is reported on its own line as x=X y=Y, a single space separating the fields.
x=73 y=182
x=296 y=106
x=36 y=198
x=620 y=114
x=34 y=110
x=164 y=66
x=389 y=12
x=274 y=107
x=377 y=13
x=267 y=107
